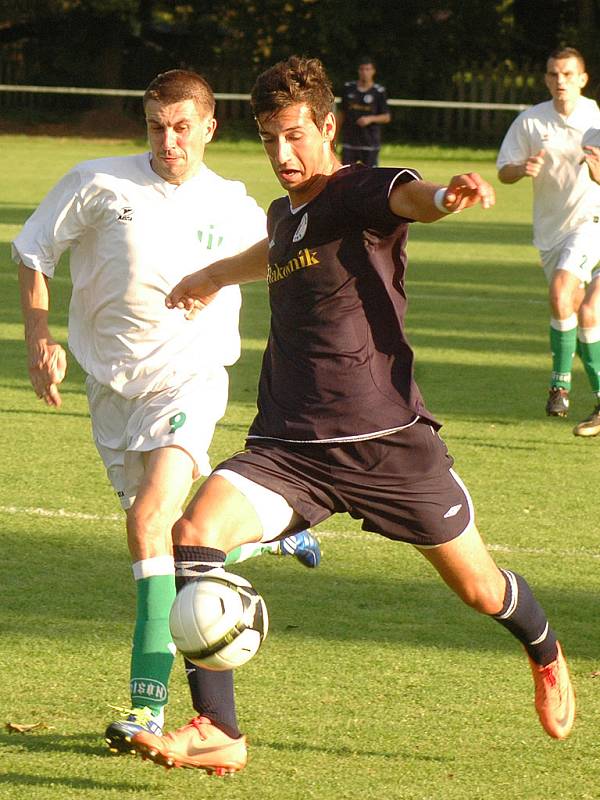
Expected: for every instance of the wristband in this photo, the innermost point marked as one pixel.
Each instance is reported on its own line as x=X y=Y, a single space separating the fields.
x=438 y=200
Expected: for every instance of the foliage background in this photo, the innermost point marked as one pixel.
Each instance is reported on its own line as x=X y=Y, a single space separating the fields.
x=418 y=45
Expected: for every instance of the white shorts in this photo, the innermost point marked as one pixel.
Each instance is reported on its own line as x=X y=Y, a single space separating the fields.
x=124 y=429
x=578 y=253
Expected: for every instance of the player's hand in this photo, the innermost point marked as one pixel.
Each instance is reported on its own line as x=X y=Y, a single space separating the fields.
x=192 y=293
x=468 y=190
x=363 y=122
x=47 y=369
x=532 y=167
x=591 y=156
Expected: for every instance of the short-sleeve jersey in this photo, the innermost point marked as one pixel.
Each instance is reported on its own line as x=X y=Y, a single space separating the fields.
x=355 y=104
x=338 y=366
x=564 y=197
x=132 y=237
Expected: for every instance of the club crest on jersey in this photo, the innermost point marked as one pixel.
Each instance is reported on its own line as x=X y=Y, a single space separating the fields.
x=305 y=258
x=210 y=239
x=126 y=214
x=301 y=229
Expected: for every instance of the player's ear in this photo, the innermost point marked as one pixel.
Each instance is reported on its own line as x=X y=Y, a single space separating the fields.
x=583 y=79
x=329 y=128
x=210 y=126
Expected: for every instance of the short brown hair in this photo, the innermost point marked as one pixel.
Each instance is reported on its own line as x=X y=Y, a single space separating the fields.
x=178 y=85
x=297 y=80
x=567 y=52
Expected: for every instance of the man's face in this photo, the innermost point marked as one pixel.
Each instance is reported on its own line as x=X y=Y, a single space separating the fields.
x=297 y=149
x=177 y=134
x=366 y=73
x=565 y=79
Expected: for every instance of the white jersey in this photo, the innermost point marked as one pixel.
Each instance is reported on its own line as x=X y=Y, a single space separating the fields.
x=564 y=197
x=132 y=237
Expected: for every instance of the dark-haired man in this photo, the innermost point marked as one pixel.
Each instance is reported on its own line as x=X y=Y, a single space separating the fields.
x=364 y=110
x=156 y=384
x=341 y=424
x=544 y=144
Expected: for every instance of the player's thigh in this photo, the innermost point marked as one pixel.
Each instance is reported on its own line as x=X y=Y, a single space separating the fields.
x=469 y=570
x=229 y=511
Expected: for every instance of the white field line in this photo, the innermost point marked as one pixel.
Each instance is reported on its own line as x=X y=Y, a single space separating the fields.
x=61 y=513
x=476 y=298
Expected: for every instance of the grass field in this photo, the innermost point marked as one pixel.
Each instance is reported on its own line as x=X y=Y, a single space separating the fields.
x=375 y=681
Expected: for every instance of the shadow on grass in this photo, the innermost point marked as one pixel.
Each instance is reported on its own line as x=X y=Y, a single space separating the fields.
x=34 y=744
x=19 y=779
x=348 y=752
x=87 y=744
x=54 y=601
x=14 y=214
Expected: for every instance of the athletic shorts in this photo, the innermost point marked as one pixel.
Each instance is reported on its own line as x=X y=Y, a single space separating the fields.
x=578 y=253
x=124 y=429
x=401 y=486
x=369 y=156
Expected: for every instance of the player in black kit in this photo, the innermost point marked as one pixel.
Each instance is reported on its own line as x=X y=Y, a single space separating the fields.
x=364 y=109
x=341 y=424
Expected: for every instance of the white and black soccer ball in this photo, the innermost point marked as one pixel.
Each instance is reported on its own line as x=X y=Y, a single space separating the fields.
x=218 y=621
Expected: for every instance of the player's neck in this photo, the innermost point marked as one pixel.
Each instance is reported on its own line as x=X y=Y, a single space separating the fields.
x=309 y=190
x=364 y=86
x=565 y=107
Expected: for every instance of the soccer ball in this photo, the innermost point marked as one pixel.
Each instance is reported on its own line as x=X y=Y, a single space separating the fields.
x=219 y=621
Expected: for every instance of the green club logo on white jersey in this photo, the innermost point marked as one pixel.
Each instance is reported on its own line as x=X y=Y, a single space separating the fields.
x=210 y=239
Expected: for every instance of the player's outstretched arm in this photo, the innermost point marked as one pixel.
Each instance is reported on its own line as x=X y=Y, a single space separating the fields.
x=511 y=173
x=197 y=290
x=46 y=358
x=428 y=202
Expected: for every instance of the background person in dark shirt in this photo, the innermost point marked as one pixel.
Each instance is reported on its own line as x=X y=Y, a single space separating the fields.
x=341 y=425
x=364 y=110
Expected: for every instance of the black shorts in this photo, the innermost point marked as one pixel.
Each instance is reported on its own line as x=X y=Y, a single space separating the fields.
x=367 y=156
x=401 y=485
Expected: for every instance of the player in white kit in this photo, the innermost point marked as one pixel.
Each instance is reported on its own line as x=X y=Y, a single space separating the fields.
x=156 y=384
x=544 y=143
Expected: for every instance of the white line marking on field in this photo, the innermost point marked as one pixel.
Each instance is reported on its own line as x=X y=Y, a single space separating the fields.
x=61 y=513
x=476 y=298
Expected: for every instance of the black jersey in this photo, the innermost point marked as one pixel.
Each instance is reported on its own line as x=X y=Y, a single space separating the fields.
x=357 y=103
x=337 y=364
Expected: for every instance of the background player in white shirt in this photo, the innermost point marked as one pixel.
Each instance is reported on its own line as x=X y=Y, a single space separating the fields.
x=544 y=144
x=156 y=384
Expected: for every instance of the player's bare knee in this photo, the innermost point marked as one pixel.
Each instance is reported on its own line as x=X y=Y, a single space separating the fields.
x=484 y=596
x=148 y=530
x=187 y=532
x=588 y=316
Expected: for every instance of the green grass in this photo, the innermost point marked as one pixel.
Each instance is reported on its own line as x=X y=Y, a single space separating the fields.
x=375 y=681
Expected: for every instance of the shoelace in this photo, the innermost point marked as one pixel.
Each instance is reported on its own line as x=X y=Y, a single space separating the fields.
x=140 y=715
x=550 y=675
x=197 y=722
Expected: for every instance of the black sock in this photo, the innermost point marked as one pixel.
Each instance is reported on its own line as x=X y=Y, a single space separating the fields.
x=524 y=617
x=212 y=692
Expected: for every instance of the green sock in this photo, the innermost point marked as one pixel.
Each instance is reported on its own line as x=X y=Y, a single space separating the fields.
x=590 y=356
x=563 y=345
x=245 y=551
x=153 y=651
